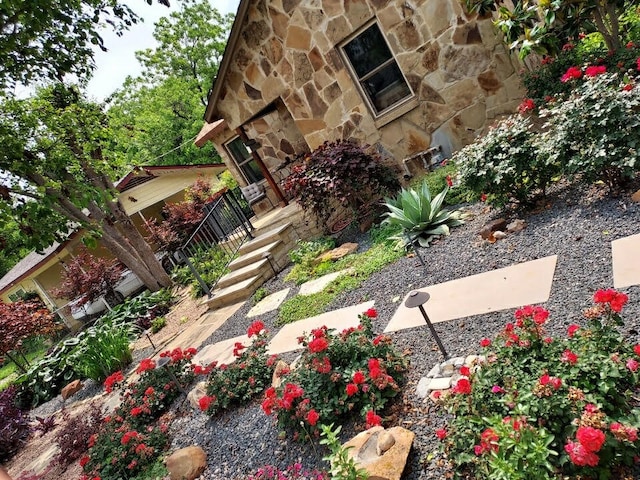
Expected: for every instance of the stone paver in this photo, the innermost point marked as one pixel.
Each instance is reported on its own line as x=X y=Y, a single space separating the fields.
x=317 y=285
x=221 y=352
x=522 y=284
x=195 y=334
x=625 y=254
x=269 y=303
x=286 y=340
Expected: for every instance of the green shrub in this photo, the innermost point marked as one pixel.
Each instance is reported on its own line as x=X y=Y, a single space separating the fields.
x=506 y=164
x=158 y=324
x=446 y=176
x=240 y=381
x=341 y=172
x=420 y=217
x=211 y=264
x=307 y=251
x=259 y=295
x=595 y=133
x=543 y=407
x=352 y=372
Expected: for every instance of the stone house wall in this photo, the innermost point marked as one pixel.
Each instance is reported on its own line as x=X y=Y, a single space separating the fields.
x=287 y=57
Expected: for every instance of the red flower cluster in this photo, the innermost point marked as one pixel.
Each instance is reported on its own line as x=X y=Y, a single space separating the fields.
x=462 y=386
x=312 y=417
x=485 y=342
x=441 y=433
x=205 y=402
x=526 y=105
x=615 y=299
x=624 y=433
x=351 y=389
x=555 y=382
x=255 y=328
x=571 y=331
x=595 y=70
x=321 y=365
x=237 y=348
x=488 y=442
x=371 y=313
x=113 y=380
x=372 y=419
x=177 y=354
x=572 y=73
x=569 y=357
x=539 y=315
x=583 y=452
x=128 y=436
x=145 y=364
x=318 y=345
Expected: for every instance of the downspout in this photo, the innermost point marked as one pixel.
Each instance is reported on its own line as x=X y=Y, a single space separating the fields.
x=263 y=168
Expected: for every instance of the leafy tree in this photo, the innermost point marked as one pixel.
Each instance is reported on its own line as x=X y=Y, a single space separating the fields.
x=20 y=321
x=544 y=27
x=157 y=114
x=12 y=246
x=41 y=39
x=59 y=177
x=87 y=278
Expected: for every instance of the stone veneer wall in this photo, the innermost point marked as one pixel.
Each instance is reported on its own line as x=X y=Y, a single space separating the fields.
x=461 y=73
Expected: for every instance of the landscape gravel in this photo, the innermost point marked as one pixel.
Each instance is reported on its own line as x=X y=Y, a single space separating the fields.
x=577 y=224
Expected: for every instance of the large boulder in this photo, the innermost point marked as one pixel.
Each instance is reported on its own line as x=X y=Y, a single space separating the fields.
x=194 y=396
x=187 y=463
x=70 y=389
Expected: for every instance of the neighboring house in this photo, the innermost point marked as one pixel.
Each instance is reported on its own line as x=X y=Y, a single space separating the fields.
x=143 y=192
x=413 y=78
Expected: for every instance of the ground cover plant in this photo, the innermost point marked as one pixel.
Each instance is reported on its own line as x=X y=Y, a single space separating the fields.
x=539 y=407
x=14 y=424
x=353 y=372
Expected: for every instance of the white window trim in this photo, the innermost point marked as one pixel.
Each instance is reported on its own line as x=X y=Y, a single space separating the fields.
x=386 y=115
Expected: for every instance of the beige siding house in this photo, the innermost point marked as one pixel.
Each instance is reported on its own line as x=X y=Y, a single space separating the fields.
x=416 y=79
x=143 y=192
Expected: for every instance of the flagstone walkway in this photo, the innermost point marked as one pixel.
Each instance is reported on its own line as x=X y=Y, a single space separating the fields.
x=506 y=288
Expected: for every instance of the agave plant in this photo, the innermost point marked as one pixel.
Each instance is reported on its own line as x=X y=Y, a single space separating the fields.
x=421 y=217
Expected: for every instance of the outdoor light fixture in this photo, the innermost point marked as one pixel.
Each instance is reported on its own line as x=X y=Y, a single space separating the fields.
x=164 y=362
x=418 y=299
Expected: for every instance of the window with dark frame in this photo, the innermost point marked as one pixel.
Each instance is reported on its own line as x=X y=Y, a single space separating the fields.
x=245 y=162
x=376 y=69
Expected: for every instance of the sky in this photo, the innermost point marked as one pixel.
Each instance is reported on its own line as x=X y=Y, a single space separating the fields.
x=114 y=66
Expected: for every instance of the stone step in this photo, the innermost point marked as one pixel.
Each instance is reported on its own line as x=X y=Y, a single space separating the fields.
x=261 y=267
x=283 y=232
x=255 y=255
x=235 y=293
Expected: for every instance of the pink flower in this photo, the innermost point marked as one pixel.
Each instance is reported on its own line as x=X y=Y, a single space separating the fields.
x=595 y=70
x=638 y=63
x=497 y=389
x=590 y=438
x=556 y=383
x=441 y=433
x=632 y=364
x=569 y=357
x=568 y=46
x=572 y=73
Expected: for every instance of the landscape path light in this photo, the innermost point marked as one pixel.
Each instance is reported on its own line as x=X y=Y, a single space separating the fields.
x=418 y=299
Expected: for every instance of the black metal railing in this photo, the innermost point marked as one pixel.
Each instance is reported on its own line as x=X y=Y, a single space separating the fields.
x=215 y=242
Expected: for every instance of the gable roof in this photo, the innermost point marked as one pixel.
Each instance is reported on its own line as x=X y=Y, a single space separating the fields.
x=234 y=35
x=142 y=174
x=28 y=264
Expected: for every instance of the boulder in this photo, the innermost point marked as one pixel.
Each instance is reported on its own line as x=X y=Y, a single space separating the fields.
x=494 y=225
x=516 y=226
x=187 y=463
x=382 y=453
x=337 y=253
x=70 y=389
x=636 y=197
x=276 y=379
x=194 y=396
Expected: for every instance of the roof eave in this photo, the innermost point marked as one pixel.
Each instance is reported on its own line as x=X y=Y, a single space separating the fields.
x=234 y=36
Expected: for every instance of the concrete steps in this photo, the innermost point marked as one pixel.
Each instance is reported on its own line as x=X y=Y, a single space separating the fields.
x=259 y=260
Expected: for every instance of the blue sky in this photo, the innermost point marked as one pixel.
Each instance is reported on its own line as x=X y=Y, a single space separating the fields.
x=114 y=66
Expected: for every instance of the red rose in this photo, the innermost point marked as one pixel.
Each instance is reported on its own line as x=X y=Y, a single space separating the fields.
x=590 y=438
x=205 y=402
x=571 y=331
x=464 y=370
x=463 y=386
x=441 y=433
x=371 y=313
x=580 y=455
x=485 y=342
x=358 y=377
x=352 y=389
x=569 y=357
x=255 y=328
x=312 y=417
x=318 y=345
x=372 y=419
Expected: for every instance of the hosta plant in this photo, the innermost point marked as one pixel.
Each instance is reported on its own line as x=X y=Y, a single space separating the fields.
x=352 y=372
x=540 y=407
x=420 y=216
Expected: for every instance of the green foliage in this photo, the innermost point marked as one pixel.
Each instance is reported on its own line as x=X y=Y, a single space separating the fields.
x=307 y=251
x=12 y=246
x=102 y=350
x=337 y=374
x=212 y=264
x=259 y=295
x=421 y=217
x=227 y=179
x=594 y=133
x=158 y=324
x=39 y=42
x=506 y=163
x=342 y=466
x=539 y=406
x=240 y=381
x=339 y=172
x=438 y=180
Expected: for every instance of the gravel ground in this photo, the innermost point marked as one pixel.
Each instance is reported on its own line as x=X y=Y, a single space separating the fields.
x=576 y=224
